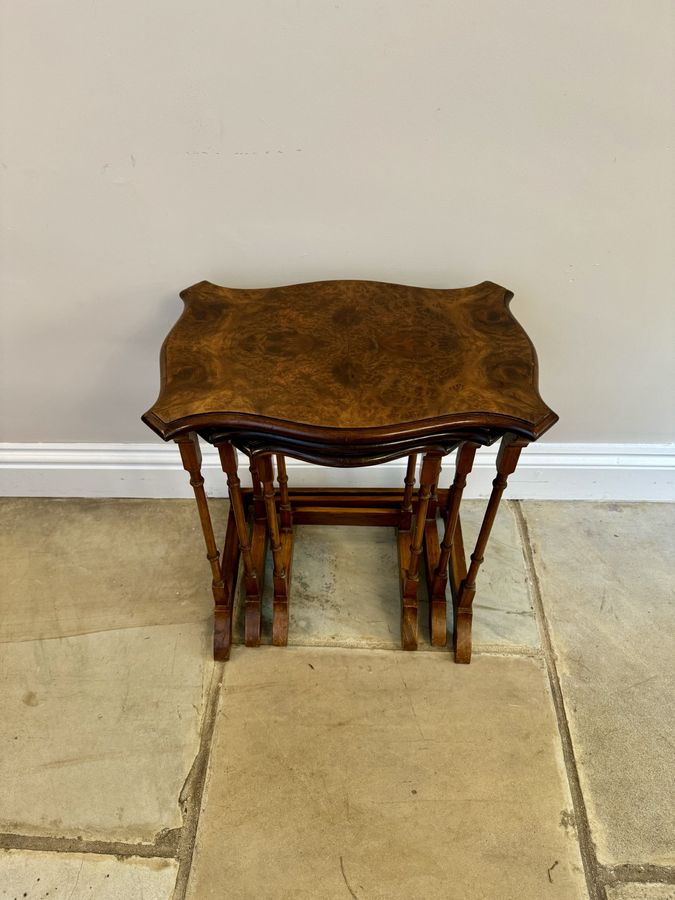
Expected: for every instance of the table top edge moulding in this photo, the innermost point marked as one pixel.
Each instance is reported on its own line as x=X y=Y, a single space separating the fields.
x=339 y=370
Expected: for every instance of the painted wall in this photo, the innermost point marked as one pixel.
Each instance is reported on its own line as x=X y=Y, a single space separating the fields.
x=149 y=144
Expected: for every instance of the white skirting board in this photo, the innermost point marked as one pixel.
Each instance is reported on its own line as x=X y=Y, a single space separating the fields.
x=546 y=471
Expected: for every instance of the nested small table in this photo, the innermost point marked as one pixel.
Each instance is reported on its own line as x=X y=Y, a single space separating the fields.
x=347 y=373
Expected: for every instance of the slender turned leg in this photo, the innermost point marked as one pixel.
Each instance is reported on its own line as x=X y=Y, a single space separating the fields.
x=439 y=577
x=406 y=509
x=438 y=629
x=281 y=556
x=507 y=460
x=191 y=457
x=409 y=560
x=285 y=512
x=432 y=509
x=228 y=459
x=258 y=501
x=403 y=539
x=259 y=542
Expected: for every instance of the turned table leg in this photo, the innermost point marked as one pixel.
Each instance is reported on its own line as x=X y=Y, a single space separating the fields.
x=406 y=507
x=282 y=549
x=438 y=567
x=258 y=501
x=191 y=457
x=253 y=610
x=285 y=511
x=438 y=628
x=411 y=549
x=259 y=544
x=507 y=460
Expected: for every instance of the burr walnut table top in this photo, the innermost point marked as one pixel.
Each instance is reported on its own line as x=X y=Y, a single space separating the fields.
x=348 y=360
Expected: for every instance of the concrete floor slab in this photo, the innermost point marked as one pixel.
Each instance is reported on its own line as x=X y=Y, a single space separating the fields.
x=36 y=875
x=607 y=582
x=641 y=892
x=99 y=731
x=345 y=590
x=384 y=775
x=76 y=566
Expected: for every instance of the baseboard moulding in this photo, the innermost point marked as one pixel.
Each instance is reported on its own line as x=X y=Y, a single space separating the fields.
x=547 y=471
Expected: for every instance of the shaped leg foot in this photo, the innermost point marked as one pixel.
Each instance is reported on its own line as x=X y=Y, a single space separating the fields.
x=222 y=634
x=437 y=622
x=252 y=623
x=409 y=627
x=280 y=624
x=462 y=636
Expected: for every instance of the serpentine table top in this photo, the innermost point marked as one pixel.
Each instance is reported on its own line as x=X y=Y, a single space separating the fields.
x=348 y=364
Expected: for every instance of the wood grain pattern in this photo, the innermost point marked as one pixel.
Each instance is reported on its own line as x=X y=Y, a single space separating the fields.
x=347 y=362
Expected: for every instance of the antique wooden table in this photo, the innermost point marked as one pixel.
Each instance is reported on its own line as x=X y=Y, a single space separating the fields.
x=347 y=373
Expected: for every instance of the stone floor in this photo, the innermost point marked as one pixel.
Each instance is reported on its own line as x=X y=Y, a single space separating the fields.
x=134 y=767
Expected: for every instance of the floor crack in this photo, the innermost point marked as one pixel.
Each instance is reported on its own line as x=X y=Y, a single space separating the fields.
x=349 y=887
x=594 y=881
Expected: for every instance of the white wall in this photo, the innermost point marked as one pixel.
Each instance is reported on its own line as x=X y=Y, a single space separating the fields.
x=149 y=144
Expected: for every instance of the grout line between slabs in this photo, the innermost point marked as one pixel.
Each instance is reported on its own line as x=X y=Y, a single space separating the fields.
x=193 y=790
x=634 y=873
x=165 y=846
x=596 y=890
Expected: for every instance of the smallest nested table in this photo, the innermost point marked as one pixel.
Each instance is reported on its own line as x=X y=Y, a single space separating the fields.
x=347 y=373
